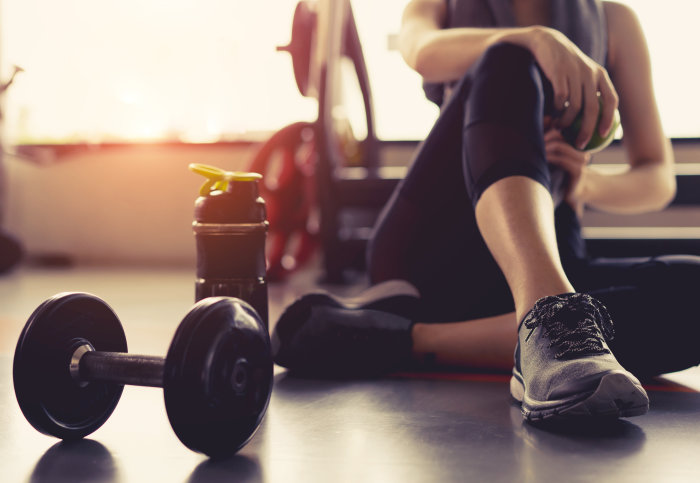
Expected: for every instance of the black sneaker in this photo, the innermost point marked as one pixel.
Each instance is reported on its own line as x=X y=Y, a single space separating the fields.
x=564 y=368
x=321 y=334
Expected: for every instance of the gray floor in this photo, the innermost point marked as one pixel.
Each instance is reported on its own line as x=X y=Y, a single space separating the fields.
x=441 y=427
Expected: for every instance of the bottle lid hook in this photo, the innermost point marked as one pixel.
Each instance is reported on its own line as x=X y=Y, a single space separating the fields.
x=218 y=179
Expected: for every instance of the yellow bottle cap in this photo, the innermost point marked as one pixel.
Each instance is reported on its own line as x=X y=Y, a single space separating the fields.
x=218 y=179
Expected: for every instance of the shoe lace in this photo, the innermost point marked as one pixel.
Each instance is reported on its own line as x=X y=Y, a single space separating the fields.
x=577 y=324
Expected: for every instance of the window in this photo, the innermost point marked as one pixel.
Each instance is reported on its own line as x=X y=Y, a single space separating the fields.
x=208 y=70
x=188 y=70
x=672 y=33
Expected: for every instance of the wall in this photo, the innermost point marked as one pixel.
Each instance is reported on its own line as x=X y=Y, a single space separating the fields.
x=122 y=205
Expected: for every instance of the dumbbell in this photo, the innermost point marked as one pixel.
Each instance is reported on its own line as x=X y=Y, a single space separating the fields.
x=71 y=365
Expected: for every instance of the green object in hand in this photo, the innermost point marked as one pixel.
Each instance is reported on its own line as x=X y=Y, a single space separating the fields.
x=597 y=142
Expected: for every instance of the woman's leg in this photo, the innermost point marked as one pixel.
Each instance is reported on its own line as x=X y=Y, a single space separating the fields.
x=515 y=216
x=562 y=363
x=484 y=344
x=653 y=302
x=429 y=233
x=504 y=172
x=508 y=176
x=488 y=342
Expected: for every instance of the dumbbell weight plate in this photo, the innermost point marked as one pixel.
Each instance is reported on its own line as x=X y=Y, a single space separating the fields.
x=218 y=376
x=50 y=399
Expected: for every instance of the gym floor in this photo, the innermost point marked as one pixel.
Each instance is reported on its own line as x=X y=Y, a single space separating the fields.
x=404 y=428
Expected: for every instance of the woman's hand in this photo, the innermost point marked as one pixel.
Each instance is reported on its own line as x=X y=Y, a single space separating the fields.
x=577 y=82
x=575 y=162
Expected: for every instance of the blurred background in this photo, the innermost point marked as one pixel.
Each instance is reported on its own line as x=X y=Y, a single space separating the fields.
x=116 y=99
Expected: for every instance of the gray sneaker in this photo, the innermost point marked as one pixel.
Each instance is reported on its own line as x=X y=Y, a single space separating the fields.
x=564 y=368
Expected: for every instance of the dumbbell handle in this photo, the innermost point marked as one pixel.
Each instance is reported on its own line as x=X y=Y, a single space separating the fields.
x=88 y=365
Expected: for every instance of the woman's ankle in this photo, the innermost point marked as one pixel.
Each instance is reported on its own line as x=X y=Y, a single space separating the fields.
x=525 y=302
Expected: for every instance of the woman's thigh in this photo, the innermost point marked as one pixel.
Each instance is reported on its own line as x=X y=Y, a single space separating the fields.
x=439 y=250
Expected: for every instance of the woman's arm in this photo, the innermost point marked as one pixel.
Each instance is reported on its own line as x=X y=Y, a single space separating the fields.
x=443 y=55
x=648 y=183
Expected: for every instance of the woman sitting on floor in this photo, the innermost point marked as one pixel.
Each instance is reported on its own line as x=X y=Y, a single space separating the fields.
x=482 y=237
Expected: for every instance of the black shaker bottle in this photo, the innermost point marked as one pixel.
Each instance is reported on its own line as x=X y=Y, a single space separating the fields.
x=230 y=227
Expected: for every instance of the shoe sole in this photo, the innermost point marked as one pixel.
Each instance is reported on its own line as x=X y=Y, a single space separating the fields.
x=379 y=292
x=617 y=396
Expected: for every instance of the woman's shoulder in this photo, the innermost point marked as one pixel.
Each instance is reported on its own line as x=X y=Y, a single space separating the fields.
x=620 y=18
x=623 y=28
x=617 y=11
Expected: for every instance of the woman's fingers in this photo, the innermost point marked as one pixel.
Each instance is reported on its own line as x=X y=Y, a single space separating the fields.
x=600 y=102
x=589 y=116
x=595 y=100
x=576 y=81
x=573 y=104
x=567 y=163
x=560 y=86
x=561 y=153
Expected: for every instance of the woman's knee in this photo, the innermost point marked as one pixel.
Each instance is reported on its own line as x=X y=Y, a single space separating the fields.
x=507 y=65
x=507 y=82
x=503 y=126
x=505 y=55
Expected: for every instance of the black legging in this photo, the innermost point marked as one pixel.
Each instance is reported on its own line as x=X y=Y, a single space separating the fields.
x=491 y=128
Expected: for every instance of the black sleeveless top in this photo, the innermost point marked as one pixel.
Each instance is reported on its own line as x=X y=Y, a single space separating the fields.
x=582 y=21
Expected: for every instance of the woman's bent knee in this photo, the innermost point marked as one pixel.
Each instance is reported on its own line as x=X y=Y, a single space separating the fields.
x=508 y=87
x=505 y=55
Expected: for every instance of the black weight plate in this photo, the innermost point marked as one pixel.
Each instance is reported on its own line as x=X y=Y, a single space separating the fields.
x=301 y=46
x=47 y=394
x=218 y=376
